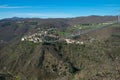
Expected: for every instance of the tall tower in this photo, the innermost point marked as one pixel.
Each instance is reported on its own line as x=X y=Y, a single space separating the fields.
x=118 y=19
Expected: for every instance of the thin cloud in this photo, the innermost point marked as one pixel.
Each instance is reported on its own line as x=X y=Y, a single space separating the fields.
x=12 y=7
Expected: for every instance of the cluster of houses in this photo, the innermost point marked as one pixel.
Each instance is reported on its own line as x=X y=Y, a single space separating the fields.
x=70 y=41
x=108 y=23
x=31 y=38
x=40 y=36
x=36 y=37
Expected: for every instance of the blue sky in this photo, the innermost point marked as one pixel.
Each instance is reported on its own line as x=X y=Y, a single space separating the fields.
x=57 y=8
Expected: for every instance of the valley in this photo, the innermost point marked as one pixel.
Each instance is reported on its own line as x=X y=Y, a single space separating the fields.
x=82 y=48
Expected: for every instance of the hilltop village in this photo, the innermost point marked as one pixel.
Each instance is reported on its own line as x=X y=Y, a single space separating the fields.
x=40 y=37
x=53 y=34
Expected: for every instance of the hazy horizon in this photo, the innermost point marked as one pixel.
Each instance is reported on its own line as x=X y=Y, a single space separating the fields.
x=57 y=8
x=55 y=17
